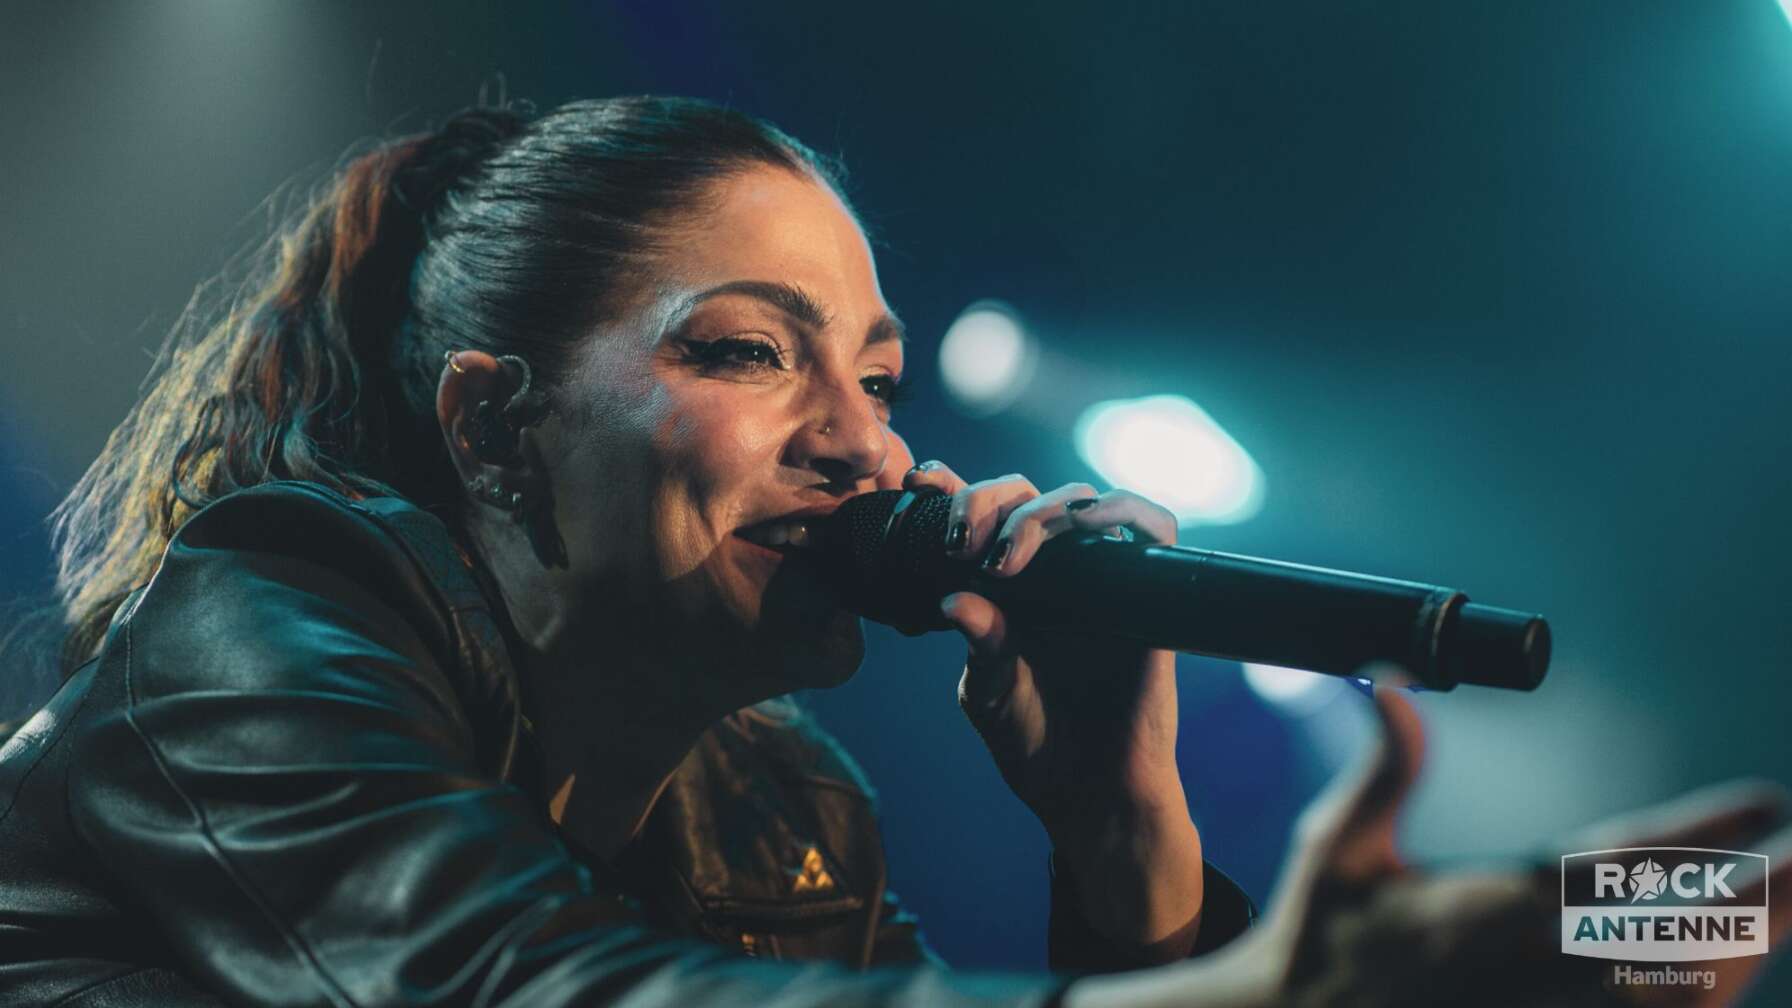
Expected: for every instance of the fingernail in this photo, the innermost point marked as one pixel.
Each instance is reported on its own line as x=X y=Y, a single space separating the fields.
x=1081 y=504
x=956 y=536
x=999 y=554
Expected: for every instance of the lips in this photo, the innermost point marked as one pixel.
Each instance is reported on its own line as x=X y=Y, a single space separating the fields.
x=792 y=532
x=780 y=533
x=792 y=550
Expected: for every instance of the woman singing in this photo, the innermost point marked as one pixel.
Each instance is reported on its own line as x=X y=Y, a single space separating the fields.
x=429 y=618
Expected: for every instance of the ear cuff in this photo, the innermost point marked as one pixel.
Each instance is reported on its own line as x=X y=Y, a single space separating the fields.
x=494 y=431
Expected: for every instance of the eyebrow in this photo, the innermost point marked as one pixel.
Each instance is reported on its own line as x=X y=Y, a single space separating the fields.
x=798 y=304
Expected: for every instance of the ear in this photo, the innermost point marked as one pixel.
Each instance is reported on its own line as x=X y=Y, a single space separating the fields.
x=473 y=388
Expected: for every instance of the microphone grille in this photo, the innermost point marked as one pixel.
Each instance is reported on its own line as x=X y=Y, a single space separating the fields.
x=887 y=553
x=859 y=523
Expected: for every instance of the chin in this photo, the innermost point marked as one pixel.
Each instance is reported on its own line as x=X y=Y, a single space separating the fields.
x=841 y=652
x=810 y=656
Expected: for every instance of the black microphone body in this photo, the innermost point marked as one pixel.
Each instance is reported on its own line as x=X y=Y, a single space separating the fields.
x=886 y=553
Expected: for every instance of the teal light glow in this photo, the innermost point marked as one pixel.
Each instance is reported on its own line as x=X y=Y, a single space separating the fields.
x=986 y=358
x=1168 y=449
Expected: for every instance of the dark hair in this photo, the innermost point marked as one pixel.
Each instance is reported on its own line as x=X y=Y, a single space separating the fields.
x=499 y=232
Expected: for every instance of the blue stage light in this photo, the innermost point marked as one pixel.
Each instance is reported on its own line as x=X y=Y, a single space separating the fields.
x=1168 y=449
x=1291 y=690
x=986 y=358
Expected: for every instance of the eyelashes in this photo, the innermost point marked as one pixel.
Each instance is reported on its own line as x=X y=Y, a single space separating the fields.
x=734 y=350
x=736 y=353
x=892 y=390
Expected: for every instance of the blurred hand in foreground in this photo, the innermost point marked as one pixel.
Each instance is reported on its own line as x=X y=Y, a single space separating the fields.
x=1353 y=925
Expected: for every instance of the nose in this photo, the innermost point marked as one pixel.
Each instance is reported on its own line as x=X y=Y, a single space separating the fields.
x=842 y=439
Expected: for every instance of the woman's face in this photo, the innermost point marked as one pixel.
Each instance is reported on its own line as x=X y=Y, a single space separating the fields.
x=744 y=385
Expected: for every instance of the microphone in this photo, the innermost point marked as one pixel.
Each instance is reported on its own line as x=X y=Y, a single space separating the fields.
x=885 y=553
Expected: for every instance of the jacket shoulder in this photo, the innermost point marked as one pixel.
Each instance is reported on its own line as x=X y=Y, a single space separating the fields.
x=387 y=545
x=271 y=586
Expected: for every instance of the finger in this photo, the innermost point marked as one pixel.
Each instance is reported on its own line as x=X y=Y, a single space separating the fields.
x=1350 y=828
x=1148 y=520
x=1368 y=792
x=935 y=474
x=1720 y=815
x=979 y=509
x=1031 y=524
x=1369 y=847
x=988 y=678
x=1772 y=880
x=984 y=627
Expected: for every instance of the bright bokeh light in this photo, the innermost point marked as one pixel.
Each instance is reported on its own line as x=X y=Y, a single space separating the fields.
x=1786 y=5
x=1168 y=449
x=986 y=358
x=1292 y=690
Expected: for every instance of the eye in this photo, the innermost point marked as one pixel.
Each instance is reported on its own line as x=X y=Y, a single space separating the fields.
x=735 y=351
x=886 y=388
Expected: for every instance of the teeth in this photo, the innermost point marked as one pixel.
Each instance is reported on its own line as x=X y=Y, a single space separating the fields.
x=789 y=533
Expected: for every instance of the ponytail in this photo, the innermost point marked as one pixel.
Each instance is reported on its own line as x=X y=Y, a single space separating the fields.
x=497 y=232
x=293 y=379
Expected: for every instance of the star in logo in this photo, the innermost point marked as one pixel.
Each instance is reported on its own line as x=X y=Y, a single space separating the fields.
x=1647 y=881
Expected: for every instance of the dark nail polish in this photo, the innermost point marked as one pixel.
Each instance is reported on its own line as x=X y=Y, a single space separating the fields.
x=999 y=554
x=956 y=536
x=1081 y=504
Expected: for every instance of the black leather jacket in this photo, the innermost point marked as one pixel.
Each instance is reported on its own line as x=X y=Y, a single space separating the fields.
x=297 y=774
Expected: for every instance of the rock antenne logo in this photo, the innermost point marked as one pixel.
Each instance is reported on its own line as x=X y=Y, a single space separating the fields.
x=1662 y=904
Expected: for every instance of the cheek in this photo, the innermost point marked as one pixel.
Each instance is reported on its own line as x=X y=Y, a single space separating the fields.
x=899 y=462
x=719 y=452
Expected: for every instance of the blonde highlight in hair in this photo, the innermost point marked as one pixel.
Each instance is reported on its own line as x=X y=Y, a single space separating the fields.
x=268 y=389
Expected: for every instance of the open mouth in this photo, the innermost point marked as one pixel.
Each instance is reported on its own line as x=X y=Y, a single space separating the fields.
x=787 y=535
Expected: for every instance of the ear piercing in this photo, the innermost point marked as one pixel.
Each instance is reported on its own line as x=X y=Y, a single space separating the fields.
x=494 y=494
x=493 y=430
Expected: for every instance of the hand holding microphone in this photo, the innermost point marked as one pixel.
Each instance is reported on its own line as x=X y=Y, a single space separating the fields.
x=1070 y=677
x=1082 y=726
